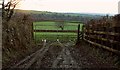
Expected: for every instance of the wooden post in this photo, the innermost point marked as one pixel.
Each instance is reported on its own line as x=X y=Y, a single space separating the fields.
x=35 y=35
x=78 y=34
x=82 y=32
x=32 y=32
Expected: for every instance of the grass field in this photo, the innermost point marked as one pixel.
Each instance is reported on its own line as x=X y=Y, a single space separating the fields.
x=54 y=36
x=49 y=25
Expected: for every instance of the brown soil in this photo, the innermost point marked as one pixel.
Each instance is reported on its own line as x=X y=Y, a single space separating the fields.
x=61 y=56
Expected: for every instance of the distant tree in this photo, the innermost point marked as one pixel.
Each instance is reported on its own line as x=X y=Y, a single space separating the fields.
x=60 y=24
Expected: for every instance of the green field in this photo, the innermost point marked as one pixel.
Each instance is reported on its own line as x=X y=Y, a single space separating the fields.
x=54 y=36
x=49 y=25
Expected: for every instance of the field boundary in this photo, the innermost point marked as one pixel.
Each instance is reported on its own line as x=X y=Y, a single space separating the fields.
x=66 y=31
x=104 y=34
x=74 y=31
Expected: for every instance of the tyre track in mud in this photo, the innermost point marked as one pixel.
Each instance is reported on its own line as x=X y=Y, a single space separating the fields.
x=64 y=59
x=61 y=55
x=30 y=60
x=54 y=55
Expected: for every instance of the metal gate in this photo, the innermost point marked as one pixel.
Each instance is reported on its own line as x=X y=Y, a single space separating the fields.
x=52 y=32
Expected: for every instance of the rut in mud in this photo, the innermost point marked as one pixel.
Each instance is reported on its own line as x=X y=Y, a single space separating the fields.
x=60 y=55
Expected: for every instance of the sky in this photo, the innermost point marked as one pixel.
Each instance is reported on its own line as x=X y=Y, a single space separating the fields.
x=75 y=6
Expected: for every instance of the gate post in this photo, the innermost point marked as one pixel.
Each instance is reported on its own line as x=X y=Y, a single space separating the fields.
x=32 y=31
x=78 y=34
x=83 y=32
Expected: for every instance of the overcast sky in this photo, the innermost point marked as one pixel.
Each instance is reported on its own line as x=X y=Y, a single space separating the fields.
x=82 y=6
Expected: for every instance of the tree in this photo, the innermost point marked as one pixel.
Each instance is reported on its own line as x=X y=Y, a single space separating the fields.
x=8 y=9
x=60 y=24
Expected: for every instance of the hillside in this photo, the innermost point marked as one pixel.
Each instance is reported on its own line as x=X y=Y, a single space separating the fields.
x=45 y=15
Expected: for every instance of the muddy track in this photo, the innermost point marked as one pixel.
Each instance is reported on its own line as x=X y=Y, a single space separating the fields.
x=51 y=55
x=60 y=55
x=29 y=60
x=64 y=59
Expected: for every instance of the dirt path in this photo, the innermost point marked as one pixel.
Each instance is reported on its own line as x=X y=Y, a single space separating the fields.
x=60 y=55
x=29 y=60
x=64 y=59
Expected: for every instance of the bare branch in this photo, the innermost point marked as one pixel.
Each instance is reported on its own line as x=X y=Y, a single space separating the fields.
x=8 y=9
